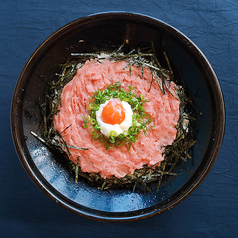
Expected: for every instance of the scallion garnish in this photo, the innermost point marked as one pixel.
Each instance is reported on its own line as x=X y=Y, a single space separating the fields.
x=140 y=119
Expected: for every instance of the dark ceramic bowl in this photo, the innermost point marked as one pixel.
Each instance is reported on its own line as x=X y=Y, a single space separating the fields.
x=105 y=32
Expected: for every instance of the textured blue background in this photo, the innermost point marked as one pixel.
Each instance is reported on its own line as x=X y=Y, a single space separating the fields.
x=211 y=211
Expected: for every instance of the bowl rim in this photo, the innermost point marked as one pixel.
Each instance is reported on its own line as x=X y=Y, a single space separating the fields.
x=220 y=127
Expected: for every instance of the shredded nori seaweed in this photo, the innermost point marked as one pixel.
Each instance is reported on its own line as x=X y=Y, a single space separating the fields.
x=174 y=155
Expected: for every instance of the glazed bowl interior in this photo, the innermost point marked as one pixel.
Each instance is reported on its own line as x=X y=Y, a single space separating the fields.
x=107 y=32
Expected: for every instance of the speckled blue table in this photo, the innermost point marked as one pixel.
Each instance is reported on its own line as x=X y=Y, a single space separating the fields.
x=211 y=211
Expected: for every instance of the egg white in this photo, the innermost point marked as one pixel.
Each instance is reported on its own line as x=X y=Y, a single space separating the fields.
x=118 y=128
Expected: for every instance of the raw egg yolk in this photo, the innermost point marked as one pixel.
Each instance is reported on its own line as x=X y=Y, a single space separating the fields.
x=113 y=113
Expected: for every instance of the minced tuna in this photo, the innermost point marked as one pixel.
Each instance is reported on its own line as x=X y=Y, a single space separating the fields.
x=147 y=150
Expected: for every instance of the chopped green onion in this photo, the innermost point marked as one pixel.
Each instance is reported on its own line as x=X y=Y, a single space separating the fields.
x=97 y=127
x=127 y=98
x=93 y=121
x=121 y=136
x=102 y=138
x=94 y=135
x=112 y=139
x=138 y=119
x=113 y=133
x=117 y=84
x=141 y=97
x=91 y=106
